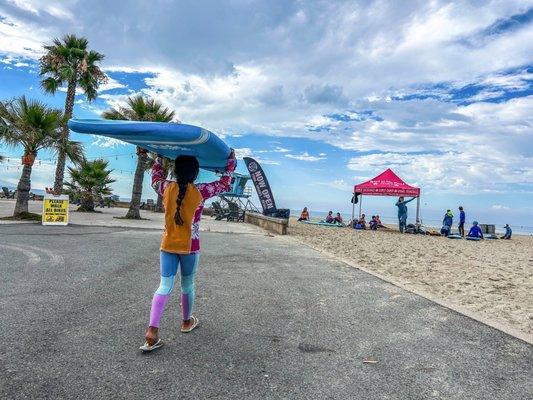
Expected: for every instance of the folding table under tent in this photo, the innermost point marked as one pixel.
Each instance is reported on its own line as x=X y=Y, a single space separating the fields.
x=386 y=184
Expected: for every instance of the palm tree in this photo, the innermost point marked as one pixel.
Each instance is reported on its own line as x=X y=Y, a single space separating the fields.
x=139 y=108
x=34 y=126
x=168 y=169
x=89 y=182
x=68 y=62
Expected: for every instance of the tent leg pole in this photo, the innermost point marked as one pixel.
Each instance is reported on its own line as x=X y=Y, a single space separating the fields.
x=360 y=205
x=418 y=210
x=353 y=207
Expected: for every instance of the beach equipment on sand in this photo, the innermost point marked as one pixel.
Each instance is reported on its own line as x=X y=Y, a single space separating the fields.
x=454 y=236
x=323 y=223
x=165 y=138
x=386 y=184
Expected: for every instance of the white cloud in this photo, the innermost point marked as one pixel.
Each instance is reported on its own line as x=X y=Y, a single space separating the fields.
x=499 y=207
x=242 y=152
x=110 y=85
x=339 y=184
x=457 y=172
x=305 y=156
x=284 y=73
x=105 y=142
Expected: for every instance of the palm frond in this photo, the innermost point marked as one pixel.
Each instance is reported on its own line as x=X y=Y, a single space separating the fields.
x=68 y=59
x=29 y=123
x=140 y=108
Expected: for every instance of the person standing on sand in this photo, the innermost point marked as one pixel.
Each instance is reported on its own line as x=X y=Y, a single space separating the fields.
x=402 y=212
x=180 y=247
x=462 y=219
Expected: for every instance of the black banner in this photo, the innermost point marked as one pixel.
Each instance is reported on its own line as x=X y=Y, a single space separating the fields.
x=261 y=185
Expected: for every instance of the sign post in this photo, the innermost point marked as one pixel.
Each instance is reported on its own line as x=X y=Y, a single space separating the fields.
x=55 y=209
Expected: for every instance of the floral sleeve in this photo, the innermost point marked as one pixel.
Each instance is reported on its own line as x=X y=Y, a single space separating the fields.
x=211 y=189
x=159 y=183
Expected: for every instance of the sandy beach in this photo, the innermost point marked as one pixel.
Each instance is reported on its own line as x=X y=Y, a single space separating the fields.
x=492 y=278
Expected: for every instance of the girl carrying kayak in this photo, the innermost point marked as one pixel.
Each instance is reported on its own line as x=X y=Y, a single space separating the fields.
x=180 y=247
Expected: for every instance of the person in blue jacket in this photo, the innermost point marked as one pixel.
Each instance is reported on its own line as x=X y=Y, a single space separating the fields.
x=402 y=212
x=508 y=232
x=475 y=231
x=447 y=223
x=462 y=219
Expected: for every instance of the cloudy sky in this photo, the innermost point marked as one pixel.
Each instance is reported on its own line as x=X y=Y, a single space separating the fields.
x=325 y=93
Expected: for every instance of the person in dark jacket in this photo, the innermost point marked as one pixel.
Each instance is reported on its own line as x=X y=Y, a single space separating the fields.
x=462 y=219
x=447 y=223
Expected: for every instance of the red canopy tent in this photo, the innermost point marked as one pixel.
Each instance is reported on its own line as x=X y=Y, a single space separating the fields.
x=386 y=184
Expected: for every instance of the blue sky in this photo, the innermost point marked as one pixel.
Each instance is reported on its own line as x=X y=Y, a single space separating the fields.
x=325 y=93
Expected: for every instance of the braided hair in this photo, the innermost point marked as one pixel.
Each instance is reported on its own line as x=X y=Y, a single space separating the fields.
x=186 y=169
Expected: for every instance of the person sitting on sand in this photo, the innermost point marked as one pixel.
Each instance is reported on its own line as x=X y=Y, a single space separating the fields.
x=402 y=212
x=304 y=216
x=373 y=224
x=338 y=218
x=380 y=224
x=329 y=217
x=475 y=231
x=447 y=223
x=362 y=221
x=508 y=232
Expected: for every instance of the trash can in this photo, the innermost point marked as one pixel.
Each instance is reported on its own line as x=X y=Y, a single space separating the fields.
x=488 y=229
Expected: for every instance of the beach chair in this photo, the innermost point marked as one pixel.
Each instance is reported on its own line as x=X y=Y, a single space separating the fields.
x=150 y=204
x=8 y=194
x=219 y=212
x=235 y=213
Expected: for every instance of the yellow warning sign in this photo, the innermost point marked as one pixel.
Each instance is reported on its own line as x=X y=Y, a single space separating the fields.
x=55 y=210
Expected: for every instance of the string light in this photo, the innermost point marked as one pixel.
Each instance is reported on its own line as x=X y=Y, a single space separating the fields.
x=8 y=158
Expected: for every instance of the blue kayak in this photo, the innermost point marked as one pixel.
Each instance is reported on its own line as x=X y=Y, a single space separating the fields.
x=165 y=138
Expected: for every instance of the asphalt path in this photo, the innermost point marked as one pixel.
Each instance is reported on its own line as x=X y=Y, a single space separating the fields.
x=278 y=321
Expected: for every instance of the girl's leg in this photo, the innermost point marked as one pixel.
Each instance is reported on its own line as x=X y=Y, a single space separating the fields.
x=168 y=267
x=188 y=265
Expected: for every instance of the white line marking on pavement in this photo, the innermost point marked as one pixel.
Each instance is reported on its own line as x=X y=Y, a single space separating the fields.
x=33 y=258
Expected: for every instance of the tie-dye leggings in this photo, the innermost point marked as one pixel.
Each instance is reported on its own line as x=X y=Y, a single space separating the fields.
x=169 y=264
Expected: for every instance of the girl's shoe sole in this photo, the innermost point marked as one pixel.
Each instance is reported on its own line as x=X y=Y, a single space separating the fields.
x=146 y=348
x=196 y=322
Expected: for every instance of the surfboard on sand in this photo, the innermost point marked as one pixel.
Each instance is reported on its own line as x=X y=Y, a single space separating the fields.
x=322 y=223
x=165 y=138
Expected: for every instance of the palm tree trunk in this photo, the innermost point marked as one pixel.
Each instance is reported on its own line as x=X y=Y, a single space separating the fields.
x=61 y=156
x=159 y=204
x=136 y=193
x=23 y=191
